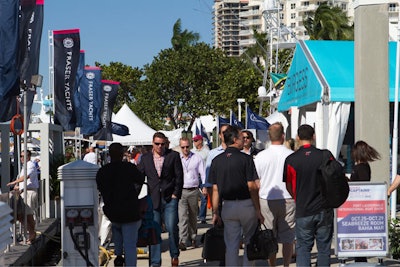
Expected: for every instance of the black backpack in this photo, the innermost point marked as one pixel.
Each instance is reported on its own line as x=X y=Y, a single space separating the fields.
x=334 y=183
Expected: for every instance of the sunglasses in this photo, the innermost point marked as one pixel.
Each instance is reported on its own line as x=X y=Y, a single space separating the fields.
x=184 y=147
x=246 y=137
x=159 y=144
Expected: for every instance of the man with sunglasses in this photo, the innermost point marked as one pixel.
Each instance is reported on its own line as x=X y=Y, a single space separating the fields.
x=163 y=168
x=193 y=168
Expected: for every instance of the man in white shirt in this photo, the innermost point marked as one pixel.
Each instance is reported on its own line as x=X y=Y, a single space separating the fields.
x=32 y=185
x=193 y=167
x=277 y=206
x=91 y=157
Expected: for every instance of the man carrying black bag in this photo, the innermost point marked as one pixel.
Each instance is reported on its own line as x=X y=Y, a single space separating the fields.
x=233 y=176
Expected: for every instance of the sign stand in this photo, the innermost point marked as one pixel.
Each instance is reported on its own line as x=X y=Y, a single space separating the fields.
x=361 y=227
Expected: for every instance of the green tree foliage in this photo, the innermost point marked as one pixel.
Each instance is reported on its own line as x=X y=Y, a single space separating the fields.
x=181 y=39
x=128 y=77
x=196 y=80
x=328 y=23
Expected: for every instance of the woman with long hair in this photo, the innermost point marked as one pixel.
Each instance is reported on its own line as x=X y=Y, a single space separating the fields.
x=361 y=154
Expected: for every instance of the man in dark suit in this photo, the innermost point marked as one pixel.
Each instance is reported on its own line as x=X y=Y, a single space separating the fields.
x=163 y=168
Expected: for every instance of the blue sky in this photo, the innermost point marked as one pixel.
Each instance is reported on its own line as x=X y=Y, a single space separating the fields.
x=127 y=31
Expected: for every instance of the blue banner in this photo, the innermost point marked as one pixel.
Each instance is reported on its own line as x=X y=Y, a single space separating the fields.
x=9 y=80
x=77 y=101
x=255 y=121
x=91 y=97
x=203 y=133
x=235 y=121
x=31 y=25
x=110 y=92
x=66 y=59
x=222 y=121
x=119 y=129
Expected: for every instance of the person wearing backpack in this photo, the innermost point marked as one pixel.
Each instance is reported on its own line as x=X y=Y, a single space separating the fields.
x=314 y=221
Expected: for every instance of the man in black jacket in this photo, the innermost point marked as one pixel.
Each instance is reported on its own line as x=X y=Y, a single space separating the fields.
x=163 y=168
x=119 y=184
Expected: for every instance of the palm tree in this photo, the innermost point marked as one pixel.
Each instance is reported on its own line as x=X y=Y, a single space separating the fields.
x=259 y=49
x=184 y=38
x=328 y=23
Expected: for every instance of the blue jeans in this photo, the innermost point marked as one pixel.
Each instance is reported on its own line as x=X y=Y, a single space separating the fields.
x=320 y=228
x=169 y=214
x=203 y=207
x=125 y=237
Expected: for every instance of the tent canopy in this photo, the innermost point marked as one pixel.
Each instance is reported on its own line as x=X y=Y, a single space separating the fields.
x=325 y=69
x=139 y=132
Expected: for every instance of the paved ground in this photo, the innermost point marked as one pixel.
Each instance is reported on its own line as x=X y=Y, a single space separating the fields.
x=192 y=256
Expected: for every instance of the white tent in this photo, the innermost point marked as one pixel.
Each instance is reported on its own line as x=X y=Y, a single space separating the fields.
x=173 y=136
x=139 y=132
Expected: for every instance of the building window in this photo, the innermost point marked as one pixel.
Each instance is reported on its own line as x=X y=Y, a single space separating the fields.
x=281 y=16
x=293 y=15
x=305 y=3
x=392 y=7
x=292 y=25
x=344 y=7
x=292 y=6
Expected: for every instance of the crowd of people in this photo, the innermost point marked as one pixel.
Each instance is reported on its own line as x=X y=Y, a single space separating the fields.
x=244 y=186
x=236 y=176
x=277 y=186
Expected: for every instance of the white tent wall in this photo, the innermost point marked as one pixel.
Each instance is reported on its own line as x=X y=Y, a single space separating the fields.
x=173 y=137
x=338 y=119
x=139 y=132
x=294 y=121
x=330 y=123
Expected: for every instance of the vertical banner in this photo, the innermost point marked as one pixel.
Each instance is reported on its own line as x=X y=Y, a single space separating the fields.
x=27 y=13
x=9 y=80
x=79 y=75
x=110 y=92
x=361 y=222
x=31 y=25
x=91 y=97
x=66 y=60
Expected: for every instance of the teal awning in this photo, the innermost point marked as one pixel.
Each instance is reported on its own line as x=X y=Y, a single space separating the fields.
x=329 y=64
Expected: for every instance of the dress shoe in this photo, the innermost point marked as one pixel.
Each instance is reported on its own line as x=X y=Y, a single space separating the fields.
x=182 y=246
x=119 y=261
x=194 y=245
x=174 y=262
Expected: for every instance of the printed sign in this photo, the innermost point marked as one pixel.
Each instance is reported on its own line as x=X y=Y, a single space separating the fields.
x=361 y=222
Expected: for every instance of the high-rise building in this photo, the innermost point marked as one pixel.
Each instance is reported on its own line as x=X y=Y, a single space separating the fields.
x=227 y=24
x=234 y=20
